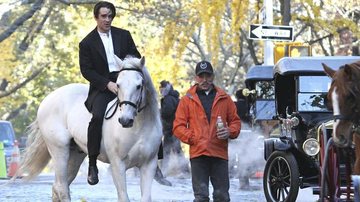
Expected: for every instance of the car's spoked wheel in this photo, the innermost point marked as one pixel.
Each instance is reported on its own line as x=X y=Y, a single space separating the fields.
x=281 y=177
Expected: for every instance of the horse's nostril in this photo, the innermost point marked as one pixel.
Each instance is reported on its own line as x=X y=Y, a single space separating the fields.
x=131 y=122
x=126 y=123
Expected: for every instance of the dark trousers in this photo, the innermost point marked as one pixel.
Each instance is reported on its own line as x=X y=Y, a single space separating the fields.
x=95 y=125
x=206 y=168
x=96 y=122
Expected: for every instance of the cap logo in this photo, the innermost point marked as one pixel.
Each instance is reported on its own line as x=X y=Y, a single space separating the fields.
x=203 y=65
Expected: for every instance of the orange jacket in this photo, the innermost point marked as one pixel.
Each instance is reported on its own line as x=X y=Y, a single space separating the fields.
x=191 y=125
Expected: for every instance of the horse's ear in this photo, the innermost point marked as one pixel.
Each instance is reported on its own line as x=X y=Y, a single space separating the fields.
x=330 y=72
x=118 y=61
x=348 y=71
x=142 y=61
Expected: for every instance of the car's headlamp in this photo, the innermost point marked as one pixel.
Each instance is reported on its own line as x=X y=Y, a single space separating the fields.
x=311 y=147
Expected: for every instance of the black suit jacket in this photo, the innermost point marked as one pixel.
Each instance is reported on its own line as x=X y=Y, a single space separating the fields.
x=93 y=62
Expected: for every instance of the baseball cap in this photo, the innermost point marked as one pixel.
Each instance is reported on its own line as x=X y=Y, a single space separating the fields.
x=204 y=66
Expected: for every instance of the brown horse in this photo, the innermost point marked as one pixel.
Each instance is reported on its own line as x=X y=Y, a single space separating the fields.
x=344 y=100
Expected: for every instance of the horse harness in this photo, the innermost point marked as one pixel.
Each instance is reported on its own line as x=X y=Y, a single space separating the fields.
x=355 y=122
x=119 y=103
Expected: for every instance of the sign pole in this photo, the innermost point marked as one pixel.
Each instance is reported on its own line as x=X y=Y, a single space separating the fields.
x=268 y=46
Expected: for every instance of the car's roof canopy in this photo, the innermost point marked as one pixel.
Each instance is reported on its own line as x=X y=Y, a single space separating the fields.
x=260 y=72
x=311 y=65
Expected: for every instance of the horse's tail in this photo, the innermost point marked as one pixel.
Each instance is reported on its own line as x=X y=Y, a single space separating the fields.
x=36 y=155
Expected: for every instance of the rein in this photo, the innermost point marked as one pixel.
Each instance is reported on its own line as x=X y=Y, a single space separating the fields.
x=341 y=117
x=355 y=123
x=116 y=104
x=119 y=103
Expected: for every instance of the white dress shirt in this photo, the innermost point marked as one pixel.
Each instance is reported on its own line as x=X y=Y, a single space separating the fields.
x=109 y=49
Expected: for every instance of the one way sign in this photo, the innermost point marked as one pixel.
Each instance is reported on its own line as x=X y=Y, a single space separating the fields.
x=271 y=32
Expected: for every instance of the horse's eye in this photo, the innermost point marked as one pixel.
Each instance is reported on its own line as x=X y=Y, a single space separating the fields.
x=138 y=87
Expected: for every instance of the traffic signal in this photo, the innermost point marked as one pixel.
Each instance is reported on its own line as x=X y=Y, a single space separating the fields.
x=290 y=49
x=298 y=51
x=279 y=52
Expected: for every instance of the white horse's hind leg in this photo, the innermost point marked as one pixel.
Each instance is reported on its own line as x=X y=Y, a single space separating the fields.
x=147 y=173
x=59 y=151
x=118 y=171
x=61 y=191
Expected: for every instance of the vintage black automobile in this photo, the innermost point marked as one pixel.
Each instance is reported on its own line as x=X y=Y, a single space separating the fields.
x=260 y=93
x=292 y=157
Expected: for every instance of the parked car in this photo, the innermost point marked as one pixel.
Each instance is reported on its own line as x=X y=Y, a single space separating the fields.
x=260 y=92
x=293 y=158
x=7 y=137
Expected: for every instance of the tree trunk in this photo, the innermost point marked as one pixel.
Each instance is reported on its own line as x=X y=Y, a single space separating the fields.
x=285 y=12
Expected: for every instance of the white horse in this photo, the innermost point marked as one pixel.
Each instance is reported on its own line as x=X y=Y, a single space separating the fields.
x=60 y=133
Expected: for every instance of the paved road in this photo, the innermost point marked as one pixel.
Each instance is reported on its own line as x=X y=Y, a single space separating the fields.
x=40 y=190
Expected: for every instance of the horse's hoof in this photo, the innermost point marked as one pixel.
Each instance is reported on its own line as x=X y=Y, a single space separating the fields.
x=163 y=181
x=93 y=175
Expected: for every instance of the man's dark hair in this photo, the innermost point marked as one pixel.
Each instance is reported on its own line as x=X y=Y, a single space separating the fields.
x=104 y=4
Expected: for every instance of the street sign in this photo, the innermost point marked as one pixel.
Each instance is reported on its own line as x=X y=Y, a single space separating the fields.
x=271 y=32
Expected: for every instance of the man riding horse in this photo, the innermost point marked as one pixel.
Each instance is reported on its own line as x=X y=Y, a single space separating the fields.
x=98 y=66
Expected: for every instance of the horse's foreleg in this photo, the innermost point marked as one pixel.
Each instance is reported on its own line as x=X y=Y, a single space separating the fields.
x=118 y=170
x=147 y=173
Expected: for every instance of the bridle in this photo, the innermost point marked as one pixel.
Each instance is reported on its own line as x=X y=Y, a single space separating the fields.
x=119 y=103
x=354 y=120
x=355 y=123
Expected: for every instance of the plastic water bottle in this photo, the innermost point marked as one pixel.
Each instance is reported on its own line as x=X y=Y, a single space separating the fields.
x=219 y=123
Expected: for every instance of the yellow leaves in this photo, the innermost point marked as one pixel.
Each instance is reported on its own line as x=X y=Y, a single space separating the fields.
x=209 y=22
x=239 y=11
x=211 y=13
x=169 y=36
x=164 y=67
x=8 y=58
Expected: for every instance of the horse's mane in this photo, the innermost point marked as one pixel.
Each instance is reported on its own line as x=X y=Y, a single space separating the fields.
x=348 y=79
x=151 y=93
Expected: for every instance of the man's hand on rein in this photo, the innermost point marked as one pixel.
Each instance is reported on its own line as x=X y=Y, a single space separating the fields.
x=112 y=87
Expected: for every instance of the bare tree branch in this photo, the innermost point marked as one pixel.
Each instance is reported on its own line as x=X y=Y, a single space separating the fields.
x=77 y=2
x=251 y=48
x=196 y=42
x=31 y=35
x=14 y=113
x=303 y=28
x=320 y=41
x=17 y=87
x=4 y=84
x=19 y=21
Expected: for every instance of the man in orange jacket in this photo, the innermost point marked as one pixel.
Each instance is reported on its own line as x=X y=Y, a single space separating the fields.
x=195 y=124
